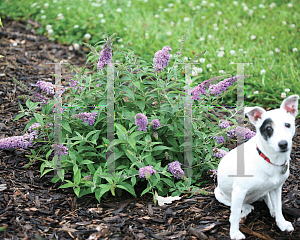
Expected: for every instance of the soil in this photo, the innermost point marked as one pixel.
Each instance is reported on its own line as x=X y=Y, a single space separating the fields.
x=34 y=208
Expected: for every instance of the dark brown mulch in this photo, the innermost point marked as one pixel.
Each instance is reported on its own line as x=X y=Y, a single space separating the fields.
x=34 y=208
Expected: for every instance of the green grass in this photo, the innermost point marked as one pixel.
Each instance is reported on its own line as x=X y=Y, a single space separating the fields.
x=135 y=21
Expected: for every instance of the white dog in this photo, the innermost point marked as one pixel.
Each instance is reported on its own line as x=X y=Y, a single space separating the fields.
x=266 y=157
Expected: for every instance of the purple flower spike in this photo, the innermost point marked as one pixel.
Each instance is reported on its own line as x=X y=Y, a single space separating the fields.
x=60 y=149
x=224 y=124
x=87 y=117
x=219 y=153
x=162 y=58
x=146 y=172
x=142 y=121
x=155 y=124
x=175 y=169
x=220 y=139
x=105 y=56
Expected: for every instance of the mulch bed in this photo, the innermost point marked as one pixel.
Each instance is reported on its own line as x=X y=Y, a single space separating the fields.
x=34 y=208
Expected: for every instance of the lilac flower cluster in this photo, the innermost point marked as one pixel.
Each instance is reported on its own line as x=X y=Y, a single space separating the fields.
x=88 y=177
x=219 y=153
x=214 y=89
x=214 y=174
x=162 y=58
x=220 y=139
x=60 y=149
x=105 y=55
x=39 y=98
x=24 y=141
x=46 y=86
x=142 y=121
x=32 y=129
x=146 y=172
x=155 y=124
x=175 y=169
x=230 y=133
x=86 y=117
x=73 y=83
x=168 y=156
x=224 y=124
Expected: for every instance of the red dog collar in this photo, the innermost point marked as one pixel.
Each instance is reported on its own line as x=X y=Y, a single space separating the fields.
x=266 y=158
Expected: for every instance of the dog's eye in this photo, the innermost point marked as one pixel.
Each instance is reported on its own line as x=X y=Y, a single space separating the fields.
x=269 y=129
x=287 y=125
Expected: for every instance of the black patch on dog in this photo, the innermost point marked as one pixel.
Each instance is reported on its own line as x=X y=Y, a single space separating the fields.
x=267 y=129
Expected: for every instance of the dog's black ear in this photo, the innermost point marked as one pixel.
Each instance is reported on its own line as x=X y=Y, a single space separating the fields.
x=290 y=104
x=254 y=114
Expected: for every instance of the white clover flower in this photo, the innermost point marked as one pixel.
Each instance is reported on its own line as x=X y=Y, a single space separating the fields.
x=186 y=19
x=239 y=24
x=43 y=17
x=253 y=37
x=271 y=53
x=262 y=72
x=250 y=12
x=198 y=7
x=295 y=50
x=119 y=10
x=272 y=5
x=210 y=70
x=171 y=5
x=76 y=46
x=245 y=52
x=145 y=1
x=215 y=25
x=48 y=27
x=287 y=90
x=166 y=10
x=120 y=40
x=216 y=28
x=226 y=27
x=156 y=16
x=292 y=25
x=185 y=58
x=60 y=16
x=194 y=71
x=219 y=13
x=172 y=24
x=221 y=71
x=232 y=52
x=203 y=17
x=222 y=48
x=33 y=5
x=54 y=1
x=246 y=8
x=76 y=26
x=235 y=3
x=209 y=65
x=50 y=31
x=220 y=54
x=283 y=95
x=263 y=16
x=101 y=15
x=169 y=33
x=128 y=5
x=261 y=6
x=199 y=70
x=273 y=37
x=42 y=11
x=211 y=4
x=87 y=36
x=122 y=46
x=290 y=5
x=209 y=36
x=46 y=5
x=277 y=50
x=202 y=39
x=146 y=35
x=204 y=2
x=284 y=22
x=68 y=8
x=103 y=21
x=225 y=21
x=255 y=92
x=241 y=50
x=202 y=60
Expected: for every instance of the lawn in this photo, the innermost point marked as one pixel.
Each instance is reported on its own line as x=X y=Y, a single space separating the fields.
x=264 y=33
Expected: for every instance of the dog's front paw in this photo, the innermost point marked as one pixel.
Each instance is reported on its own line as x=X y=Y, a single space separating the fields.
x=237 y=235
x=285 y=226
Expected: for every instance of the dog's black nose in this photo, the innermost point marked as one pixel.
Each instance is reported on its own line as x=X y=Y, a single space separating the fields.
x=283 y=145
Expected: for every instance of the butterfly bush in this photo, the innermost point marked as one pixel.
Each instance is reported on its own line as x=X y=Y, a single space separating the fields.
x=141 y=121
x=146 y=172
x=86 y=117
x=175 y=169
x=162 y=58
x=155 y=124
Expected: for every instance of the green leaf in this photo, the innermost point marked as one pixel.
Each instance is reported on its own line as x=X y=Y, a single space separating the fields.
x=19 y=116
x=132 y=143
x=76 y=191
x=141 y=105
x=168 y=182
x=77 y=177
x=67 y=185
x=1 y=23
x=66 y=125
x=39 y=119
x=146 y=190
x=126 y=186
x=32 y=121
x=160 y=148
x=121 y=128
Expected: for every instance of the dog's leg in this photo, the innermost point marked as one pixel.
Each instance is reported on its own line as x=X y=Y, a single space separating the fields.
x=269 y=203
x=221 y=197
x=246 y=209
x=284 y=225
x=237 y=199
